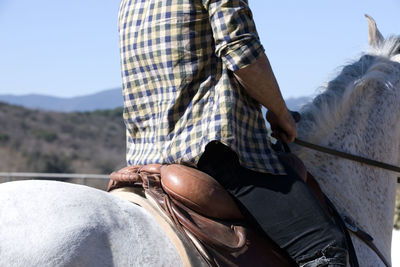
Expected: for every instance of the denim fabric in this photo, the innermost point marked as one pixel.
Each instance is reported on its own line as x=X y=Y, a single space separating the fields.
x=330 y=257
x=282 y=206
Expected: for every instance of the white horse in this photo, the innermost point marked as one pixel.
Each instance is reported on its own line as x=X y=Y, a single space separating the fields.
x=46 y=223
x=359 y=112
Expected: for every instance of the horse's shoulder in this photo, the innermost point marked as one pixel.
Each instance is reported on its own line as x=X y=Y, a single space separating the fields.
x=42 y=219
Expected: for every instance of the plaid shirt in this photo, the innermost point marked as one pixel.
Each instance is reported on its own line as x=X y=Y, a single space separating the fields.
x=178 y=58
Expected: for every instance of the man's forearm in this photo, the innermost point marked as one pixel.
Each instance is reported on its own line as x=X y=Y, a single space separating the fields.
x=260 y=83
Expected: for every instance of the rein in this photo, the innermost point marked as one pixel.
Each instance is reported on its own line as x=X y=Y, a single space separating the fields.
x=297 y=117
x=349 y=156
x=350 y=224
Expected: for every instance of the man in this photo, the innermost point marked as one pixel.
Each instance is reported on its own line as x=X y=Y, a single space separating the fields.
x=194 y=76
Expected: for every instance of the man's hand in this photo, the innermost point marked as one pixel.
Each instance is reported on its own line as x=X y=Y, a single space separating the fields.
x=283 y=126
x=260 y=83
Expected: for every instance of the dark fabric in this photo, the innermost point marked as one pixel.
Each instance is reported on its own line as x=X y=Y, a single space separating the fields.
x=281 y=206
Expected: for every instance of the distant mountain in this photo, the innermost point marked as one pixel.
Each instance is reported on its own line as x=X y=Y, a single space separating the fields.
x=295 y=103
x=108 y=99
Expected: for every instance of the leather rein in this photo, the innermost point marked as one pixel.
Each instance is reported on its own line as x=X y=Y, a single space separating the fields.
x=348 y=222
x=349 y=156
x=297 y=117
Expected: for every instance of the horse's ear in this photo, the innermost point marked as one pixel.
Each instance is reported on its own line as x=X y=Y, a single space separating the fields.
x=375 y=37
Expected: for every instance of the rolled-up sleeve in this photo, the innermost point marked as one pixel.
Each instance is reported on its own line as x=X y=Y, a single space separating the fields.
x=235 y=35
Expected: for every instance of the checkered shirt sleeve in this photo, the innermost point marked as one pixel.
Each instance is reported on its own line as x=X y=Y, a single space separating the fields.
x=234 y=32
x=177 y=60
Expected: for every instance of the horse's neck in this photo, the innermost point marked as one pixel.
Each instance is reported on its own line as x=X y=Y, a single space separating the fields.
x=367 y=194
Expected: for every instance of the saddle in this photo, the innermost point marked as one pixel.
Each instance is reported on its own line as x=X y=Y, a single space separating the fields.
x=204 y=213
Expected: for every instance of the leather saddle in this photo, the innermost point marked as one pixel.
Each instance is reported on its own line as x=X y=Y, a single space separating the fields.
x=204 y=212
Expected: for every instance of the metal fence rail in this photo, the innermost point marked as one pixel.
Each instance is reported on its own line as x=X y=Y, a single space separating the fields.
x=99 y=181
x=53 y=175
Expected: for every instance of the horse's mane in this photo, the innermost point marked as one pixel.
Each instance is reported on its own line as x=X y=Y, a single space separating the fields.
x=325 y=110
x=389 y=48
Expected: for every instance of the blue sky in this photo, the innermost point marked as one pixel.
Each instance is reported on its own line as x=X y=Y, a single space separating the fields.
x=69 y=48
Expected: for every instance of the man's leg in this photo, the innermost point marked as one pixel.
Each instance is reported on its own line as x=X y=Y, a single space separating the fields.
x=282 y=206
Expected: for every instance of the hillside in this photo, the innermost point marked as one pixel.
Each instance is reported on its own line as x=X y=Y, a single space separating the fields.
x=39 y=140
x=107 y=99
x=77 y=142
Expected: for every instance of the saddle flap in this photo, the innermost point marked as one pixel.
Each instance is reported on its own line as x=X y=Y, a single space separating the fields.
x=198 y=191
x=195 y=203
x=222 y=235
